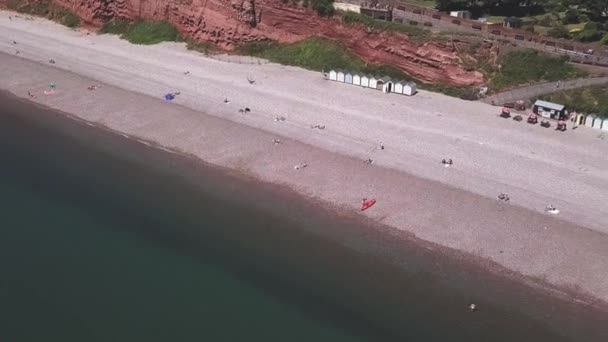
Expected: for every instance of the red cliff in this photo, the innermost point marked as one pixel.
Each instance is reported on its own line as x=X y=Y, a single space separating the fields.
x=229 y=22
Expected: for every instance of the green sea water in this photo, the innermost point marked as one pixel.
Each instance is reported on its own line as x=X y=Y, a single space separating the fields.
x=103 y=239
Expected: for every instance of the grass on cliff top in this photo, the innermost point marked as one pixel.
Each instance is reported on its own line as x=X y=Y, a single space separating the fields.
x=45 y=8
x=590 y=100
x=529 y=66
x=143 y=32
x=322 y=54
x=415 y=33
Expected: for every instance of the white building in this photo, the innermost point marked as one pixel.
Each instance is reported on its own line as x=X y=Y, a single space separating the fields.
x=348 y=77
x=409 y=89
x=340 y=76
x=605 y=125
x=342 y=6
x=589 y=120
x=333 y=75
x=373 y=82
x=385 y=84
x=357 y=79
x=461 y=14
x=597 y=123
x=365 y=81
x=398 y=88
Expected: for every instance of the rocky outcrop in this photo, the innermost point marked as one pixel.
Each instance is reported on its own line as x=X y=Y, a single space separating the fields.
x=229 y=22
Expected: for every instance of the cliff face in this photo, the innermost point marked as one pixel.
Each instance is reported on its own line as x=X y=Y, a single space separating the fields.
x=228 y=22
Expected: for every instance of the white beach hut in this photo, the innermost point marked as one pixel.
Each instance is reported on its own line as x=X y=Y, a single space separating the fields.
x=398 y=88
x=409 y=89
x=356 y=79
x=597 y=123
x=373 y=82
x=333 y=75
x=580 y=119
x=605 y=124
x=340 y=76
x=365 y=81
x=348 y=77
x=387 y=84
x=589 y=120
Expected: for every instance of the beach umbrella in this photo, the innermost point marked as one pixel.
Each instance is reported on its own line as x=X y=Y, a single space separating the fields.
x=52 y=85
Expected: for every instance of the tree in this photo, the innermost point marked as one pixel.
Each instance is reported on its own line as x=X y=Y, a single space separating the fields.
x=559 y=31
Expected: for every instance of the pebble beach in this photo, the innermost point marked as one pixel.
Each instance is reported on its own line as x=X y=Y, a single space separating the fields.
x=108 y=82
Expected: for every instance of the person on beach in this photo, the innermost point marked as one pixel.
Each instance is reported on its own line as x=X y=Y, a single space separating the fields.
x=276 y=141
x=381 y=146
x=226 y=100
x=29 y=93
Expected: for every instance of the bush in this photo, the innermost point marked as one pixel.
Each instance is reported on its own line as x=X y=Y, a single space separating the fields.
x=202 y=47
x=604 y=40
x=591 y=35
x=69 y=19
x=143 y=32
x=571 y=17
x=559 y=31
x=325 y=8
x=546 y=21
x=118 y=27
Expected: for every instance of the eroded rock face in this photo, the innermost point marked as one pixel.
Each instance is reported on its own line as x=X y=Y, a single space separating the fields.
x=229 y=22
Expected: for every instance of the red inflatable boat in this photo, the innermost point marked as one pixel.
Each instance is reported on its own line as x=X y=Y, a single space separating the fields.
x=367 y=203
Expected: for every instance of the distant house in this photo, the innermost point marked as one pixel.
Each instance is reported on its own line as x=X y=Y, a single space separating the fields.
x=461 y=14
x=398 y=88
x=549 y=110
x=373 y=82
x=348 y=77
x=605 y=124
x=340 y=76
x=410 y=89
x=365 y=81
x=357 y=79
x=333 y=75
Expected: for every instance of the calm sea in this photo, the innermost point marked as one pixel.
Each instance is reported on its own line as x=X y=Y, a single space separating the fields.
x=104 y=239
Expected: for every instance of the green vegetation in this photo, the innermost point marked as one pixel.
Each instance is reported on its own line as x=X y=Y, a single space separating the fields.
x=45 y=8
x=322 y=54
x=142 y=32
x=415 y=33
x=586 y=100
x=529 y=66
x=555 y=18
x=202 y=47
x=325 y=8
x=422 y=3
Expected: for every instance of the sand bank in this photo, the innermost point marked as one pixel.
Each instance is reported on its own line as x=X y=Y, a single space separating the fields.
x=534 y=166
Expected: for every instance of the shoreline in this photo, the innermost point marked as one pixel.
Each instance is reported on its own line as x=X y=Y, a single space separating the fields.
x=561 y=253
x=493 y=291
x=470 y=260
